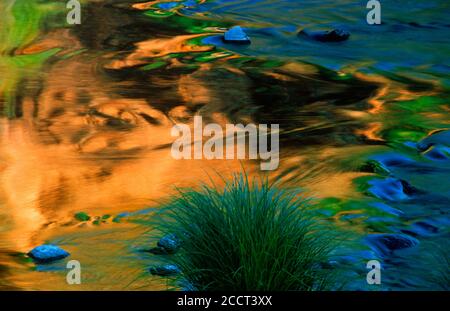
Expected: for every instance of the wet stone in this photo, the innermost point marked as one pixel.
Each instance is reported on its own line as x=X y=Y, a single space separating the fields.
x=335 y=35
x=165 y=270
x=47 y=253
x=236 y=35
x=170 y=243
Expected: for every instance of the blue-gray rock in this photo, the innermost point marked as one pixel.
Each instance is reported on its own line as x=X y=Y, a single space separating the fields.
x=387 y=243
x=170 y=243
x=236 y=35
x=165 y=270
x=335 y=35
x=47 y=253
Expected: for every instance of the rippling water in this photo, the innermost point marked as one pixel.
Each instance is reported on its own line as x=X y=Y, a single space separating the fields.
x=86 y=113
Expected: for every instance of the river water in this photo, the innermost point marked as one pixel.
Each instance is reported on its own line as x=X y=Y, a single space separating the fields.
x=86 y=113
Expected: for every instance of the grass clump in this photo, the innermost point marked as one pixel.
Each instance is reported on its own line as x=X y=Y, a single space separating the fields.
x=248 y=236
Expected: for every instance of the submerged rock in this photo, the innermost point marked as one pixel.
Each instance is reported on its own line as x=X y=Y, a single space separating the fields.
x=47 y=253
x=335 y=35
x=387 y=243
x=236 y=35
x=170 y=243
x=165 y=270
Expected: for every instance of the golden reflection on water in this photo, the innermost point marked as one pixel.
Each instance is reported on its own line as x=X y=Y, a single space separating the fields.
x=159 y=48
x=77 y=148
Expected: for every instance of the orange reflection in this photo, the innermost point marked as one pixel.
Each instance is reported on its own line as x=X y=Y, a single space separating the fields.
x=372 y=130
x=158 y=48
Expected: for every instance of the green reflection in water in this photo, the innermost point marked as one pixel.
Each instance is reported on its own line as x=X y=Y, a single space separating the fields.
x=22 y=23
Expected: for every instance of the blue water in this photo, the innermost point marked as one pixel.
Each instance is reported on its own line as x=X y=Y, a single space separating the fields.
x=412 y=37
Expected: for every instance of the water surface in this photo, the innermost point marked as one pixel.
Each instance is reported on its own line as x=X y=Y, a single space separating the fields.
x=86 y=113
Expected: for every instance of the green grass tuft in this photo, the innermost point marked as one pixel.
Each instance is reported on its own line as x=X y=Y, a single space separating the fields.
x=249 y=236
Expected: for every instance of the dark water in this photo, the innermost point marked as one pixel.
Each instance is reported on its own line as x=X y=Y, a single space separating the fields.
x=86 y=113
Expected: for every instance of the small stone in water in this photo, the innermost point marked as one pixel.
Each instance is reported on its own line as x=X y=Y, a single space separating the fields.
x=165 y=270
x=47 y=253
x=335 y=35
x=170 y=243
x=236 y=35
